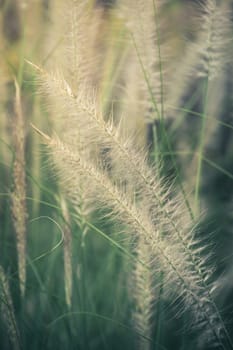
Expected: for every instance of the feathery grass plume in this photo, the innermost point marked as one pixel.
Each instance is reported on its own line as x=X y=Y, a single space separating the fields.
x=128 y=164
x=155 y=199
x=143 y=293
x=7 y=311
x=198 y=85
x=82 y=109
x=77 y=49
x=214 y=55
x=82 y=207
x=77 y=52
x=215 y=38
x=81 y=56
x=18 y=196
x=209 y=54
x=67 y=249
x=147 y=59
x=183 y=269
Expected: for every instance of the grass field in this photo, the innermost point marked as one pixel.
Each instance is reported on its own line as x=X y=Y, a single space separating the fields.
x=116 y=175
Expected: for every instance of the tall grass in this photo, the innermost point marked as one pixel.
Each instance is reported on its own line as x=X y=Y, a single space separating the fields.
x=117 y=253
x=19 y=210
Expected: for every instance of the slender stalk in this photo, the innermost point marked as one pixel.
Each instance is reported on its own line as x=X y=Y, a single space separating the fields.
x=18 y=208
x=201 y=150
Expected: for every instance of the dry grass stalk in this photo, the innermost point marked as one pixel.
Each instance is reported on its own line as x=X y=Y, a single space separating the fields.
x=7 y=311
x=67 y=249
x=18 y=197
x=144 y=296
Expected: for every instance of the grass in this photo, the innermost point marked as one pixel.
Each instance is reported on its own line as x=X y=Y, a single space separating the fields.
x=116 y=176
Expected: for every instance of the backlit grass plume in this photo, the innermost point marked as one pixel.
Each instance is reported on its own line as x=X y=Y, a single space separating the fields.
x=215 y=38
x=179 y=258
x=214 y=55
x=147 y=57
x=93 y=153
x=198 y=88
